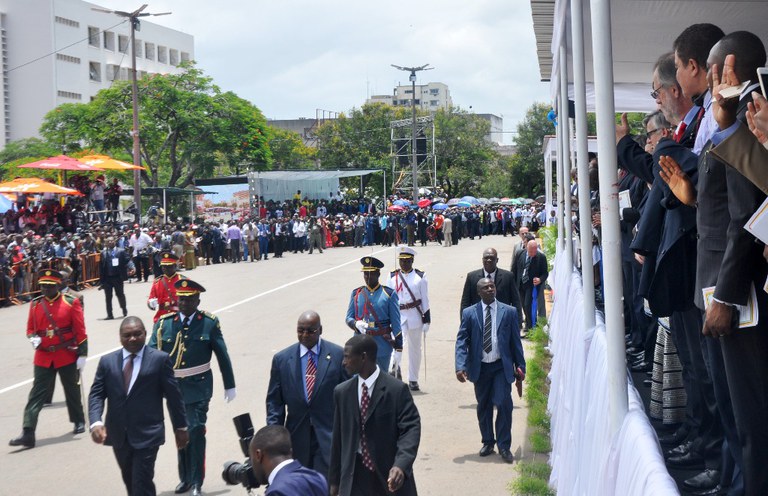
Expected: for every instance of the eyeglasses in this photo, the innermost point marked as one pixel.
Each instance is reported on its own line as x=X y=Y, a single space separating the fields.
x=650 y=133
x=307 y=331
x=655 y=92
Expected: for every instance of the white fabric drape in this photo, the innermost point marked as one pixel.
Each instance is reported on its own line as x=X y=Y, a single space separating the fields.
x=587 y=459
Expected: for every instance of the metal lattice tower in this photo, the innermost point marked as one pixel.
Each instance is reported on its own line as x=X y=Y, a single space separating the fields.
x=402 y=153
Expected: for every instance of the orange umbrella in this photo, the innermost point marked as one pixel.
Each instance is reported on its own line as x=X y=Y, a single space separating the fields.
x=35 y=185
x=60 y=162
x=106 y=162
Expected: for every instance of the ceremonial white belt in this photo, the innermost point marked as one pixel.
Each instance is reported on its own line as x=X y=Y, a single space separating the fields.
x=192 y=370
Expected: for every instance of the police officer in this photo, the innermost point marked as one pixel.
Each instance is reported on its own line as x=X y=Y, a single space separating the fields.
x=162 y=296
x=56 y=329
x=412 y=292
x=190 y=336
x=374 y=310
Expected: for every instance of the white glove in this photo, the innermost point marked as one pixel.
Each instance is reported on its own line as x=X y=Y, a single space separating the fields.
x=229 y=394
x=152 y=303
x=361 y=326
x=35 y=340
x=425 y=328
x=80 y=363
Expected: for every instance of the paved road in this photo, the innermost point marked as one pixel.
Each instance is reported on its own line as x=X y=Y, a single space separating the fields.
x=258 y=304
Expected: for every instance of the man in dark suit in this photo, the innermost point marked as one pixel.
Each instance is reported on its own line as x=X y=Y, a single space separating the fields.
x=113 y=272
x=490 y=354
x=530 y=273
x=133 y=382
x=376 y=428
x=271 y=456
x=506 y=289
x=301 y=381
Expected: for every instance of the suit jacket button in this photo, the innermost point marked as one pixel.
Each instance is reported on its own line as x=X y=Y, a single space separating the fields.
x=183 y=363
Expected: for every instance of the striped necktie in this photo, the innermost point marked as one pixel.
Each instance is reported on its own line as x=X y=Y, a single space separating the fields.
x=310 y=377
x=487 y=331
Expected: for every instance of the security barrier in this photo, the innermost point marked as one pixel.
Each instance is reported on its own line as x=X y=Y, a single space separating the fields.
x=88 y=275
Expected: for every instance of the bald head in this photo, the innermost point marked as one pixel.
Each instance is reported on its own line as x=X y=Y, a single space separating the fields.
x=532 y=247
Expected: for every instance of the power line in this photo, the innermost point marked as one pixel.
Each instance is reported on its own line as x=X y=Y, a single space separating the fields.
x=63 y=48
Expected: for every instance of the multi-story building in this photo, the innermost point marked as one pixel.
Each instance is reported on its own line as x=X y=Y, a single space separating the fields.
x=63 y=51
x=430 y=96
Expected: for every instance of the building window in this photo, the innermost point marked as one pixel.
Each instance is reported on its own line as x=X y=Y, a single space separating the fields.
x=162 y=54
x=149 y=51
x=184 y=56
x=109 y=40
x=138 y=46
x=93 y=36
x=434 y=91
x=434 y=103
x=94 y=71
x=125 y=74
x=174 y=54
x=69 y=94
x=113 y=72
x=122 y=43
x=67 y=22
x=67 y=58
x=408 y=92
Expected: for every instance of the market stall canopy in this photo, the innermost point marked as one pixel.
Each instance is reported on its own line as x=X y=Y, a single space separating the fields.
x=34 y=185
x=62 y=163
x=642 y=31
x=106 y=162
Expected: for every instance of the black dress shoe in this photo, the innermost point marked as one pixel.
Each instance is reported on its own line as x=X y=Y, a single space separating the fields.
x=413 y=386
x=182 y=487
x=679 y=450
x=486 y=450
x=196 y=491
x=712 y=491
x=634 y=350
x=79 y=428
x=673 y=438
x=108 y=317
x=647 y=382
x=640 y=367
x=506 y=455
x=26 y=439
x=690 y=459
x=708 y=479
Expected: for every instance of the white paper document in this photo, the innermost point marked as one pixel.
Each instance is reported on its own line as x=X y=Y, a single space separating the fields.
x=757 y=225
x=748 y=314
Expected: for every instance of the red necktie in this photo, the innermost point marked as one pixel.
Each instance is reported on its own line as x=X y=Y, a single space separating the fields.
x=310 y=378
x=364 y=402
x=679 y=132
x=128 y=371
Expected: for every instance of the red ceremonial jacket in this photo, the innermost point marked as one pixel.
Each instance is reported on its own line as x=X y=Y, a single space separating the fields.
x=63 y=334
x=164 y=290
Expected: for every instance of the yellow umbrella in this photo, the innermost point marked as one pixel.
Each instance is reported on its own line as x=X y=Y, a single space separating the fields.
x=35 y=185
x=106 y=162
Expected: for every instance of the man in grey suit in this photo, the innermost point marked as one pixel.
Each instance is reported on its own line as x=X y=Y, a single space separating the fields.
x=376 y=428
x=133 y=382
x=301 y=381
x=490 y=354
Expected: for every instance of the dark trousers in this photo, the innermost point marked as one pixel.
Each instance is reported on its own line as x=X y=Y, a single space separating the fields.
x=746 y=367
x=366 y=482
x=493 y=390
x=44 y=379
x=313 y=458
x=115 y=283
x=234 y=244
x=192 y=458
x=526 y=300
x=142 y=268
x=409 y=229
x=137 y=466
x=264 y=246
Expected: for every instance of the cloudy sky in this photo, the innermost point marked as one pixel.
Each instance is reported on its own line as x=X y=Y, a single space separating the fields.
x=291 y=57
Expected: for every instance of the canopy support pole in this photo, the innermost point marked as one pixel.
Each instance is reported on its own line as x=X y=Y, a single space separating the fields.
x=565 y=156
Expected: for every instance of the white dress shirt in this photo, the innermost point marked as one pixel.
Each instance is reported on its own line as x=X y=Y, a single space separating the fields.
x=275 y=470
x=494 y=354
x=370 y=382
x=136 y=365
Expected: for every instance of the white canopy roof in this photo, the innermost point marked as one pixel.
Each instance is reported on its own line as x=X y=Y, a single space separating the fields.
x=315 y=184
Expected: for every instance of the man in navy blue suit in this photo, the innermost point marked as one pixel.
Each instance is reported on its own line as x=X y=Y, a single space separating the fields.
x=133 y=382
x=490 y=354
x=273 y=465
x=301 y=381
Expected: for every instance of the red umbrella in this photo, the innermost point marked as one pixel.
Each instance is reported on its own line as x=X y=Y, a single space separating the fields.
x=396 y=208
x=60 y=162
x=424 y=203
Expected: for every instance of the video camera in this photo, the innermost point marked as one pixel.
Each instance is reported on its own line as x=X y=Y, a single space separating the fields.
x=235 y=473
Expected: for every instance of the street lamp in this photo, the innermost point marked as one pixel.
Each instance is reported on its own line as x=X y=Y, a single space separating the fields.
x=133 y=18
x=414 y=163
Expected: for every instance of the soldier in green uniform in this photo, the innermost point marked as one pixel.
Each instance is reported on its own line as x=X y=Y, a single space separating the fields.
x=190 y=336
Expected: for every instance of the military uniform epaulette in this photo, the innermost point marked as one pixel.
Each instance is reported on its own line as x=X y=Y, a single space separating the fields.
x=419 y=272
x=169 y=314
x=70 y=298
x=392 y=274
x=388 y=290
x=209 y=315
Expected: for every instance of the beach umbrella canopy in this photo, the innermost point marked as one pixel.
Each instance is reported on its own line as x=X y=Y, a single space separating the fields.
x=453 y=201
x=105 y=162
x=62 y=163
x=34 y=185
x=439 y=206
x=425 y=202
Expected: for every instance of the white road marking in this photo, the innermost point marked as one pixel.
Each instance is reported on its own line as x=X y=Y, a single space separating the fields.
x=228 y=307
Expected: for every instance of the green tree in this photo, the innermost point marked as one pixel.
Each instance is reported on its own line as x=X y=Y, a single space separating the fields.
x=22 y=152
x=188 y=127
x=289 y=150
x=527 y=165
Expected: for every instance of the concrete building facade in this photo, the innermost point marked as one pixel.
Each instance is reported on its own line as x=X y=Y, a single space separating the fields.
x=62 y=51
x=430 y=96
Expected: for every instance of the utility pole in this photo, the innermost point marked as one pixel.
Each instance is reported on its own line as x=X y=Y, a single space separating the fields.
x=133 y=18
x=414 y=163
